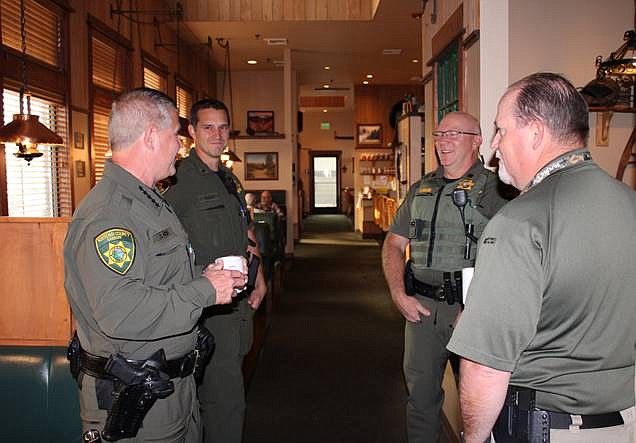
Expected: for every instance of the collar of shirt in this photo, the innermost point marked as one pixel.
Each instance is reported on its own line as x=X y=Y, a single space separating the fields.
x=566 y=160
x=200 y=166
x=134 y=187
x=474 y=170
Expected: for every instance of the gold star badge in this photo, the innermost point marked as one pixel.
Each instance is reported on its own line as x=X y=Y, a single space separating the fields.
x=116 y=249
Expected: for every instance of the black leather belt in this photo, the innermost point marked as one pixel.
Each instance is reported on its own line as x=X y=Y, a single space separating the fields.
x=424 y=289
x=95 y=366
x=559 y=420
x=562 y=420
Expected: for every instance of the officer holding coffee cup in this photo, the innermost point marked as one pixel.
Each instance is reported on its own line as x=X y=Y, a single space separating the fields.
x=210 y=202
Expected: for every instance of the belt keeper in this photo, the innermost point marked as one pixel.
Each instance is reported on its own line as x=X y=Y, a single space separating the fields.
x=577 y=422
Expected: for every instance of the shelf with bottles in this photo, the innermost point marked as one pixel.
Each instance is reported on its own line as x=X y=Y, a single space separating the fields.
x=377 y=156
x=373 y=170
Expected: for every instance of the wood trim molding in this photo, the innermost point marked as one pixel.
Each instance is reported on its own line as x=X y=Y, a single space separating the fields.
x=103 y=28
x=472 y=38
x=453 y=28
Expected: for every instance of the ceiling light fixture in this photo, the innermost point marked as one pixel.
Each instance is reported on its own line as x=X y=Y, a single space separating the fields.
x=25 y=130
x=415 y=60
x=326 y=86
x=252 y=62
x=326 y=68
x=365 y=82
x=324 y=110
x=369 y=75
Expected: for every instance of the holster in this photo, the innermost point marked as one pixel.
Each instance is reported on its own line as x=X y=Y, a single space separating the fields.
x=136 y=388
x=252 y=272
x=409 y=279
x=520 y=421
x=203 y=350
x=73 y=355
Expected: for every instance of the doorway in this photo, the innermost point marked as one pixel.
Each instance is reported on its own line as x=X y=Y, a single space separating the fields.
x=325 y=182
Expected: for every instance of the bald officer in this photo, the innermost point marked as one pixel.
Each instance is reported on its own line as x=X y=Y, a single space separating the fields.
x=435 y=229
x=130 y=279
x=547 y=337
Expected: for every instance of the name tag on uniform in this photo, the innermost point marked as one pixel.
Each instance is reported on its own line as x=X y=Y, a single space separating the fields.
x=162 y=236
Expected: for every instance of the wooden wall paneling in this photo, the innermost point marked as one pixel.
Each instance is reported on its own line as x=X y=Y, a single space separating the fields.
x=33 y=306
x=277 y=9
x=288 y=9
x=321 y=10
x=310 y=9
x=299 y=10
x=246 y=10
x=268 y=10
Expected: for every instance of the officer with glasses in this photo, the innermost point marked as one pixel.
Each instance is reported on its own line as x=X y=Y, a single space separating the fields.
x=440 y=232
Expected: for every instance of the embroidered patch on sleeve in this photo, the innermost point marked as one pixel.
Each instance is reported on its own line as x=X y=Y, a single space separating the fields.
x=116 y=249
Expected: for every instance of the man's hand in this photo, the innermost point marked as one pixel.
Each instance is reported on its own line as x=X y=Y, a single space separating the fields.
x=259 y=291
x=410 y=307
x=225 y=282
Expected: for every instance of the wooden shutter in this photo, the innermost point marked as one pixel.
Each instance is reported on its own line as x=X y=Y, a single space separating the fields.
x=448 y=81
x=155 y=80
x=108 y=64
x=43 y=30
x=184 y=102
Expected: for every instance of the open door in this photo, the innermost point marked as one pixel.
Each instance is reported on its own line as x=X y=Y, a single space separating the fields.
x=325 y=183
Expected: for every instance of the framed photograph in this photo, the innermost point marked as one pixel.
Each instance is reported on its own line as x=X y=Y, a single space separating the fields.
x=261 y=166
x=260 y=122
x=369 y=134
x=78 y=140
x=80 y=168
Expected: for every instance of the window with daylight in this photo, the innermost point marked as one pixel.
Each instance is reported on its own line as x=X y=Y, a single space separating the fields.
x=109 y=78
x=448 y=81
x=41 y=188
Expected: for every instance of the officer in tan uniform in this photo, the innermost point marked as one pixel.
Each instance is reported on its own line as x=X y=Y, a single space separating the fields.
x=130 y=281
x=440 y=232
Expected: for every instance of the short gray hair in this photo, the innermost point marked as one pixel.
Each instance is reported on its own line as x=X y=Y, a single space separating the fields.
x=554 y=101
x=133 y=111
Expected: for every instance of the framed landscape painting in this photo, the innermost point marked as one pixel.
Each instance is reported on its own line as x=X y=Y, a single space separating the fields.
x=261 y=166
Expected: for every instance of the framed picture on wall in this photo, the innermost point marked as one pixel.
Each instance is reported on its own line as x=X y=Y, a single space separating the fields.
x=261 y=166
x=260 y=122
x=369 y=134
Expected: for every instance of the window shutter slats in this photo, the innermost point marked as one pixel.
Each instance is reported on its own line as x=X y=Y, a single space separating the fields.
x=184 y=102
x=155 y=80
x=108 y=65
x=43 y=30
x=100 y=140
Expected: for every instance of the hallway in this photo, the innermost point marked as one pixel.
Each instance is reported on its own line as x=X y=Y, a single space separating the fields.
x=330 y=369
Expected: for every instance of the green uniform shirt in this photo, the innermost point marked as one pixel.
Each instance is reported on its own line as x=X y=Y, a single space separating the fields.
x=129 y=274
x=216 y=219
x=552 y=299
x=433 y=224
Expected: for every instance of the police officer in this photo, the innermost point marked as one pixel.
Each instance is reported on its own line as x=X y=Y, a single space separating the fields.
x=440 y=235
x=130 y=279
x=209 y=200
x=549 y=326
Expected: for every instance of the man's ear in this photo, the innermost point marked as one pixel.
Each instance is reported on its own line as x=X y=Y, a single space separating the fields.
x=537 y=130
x=477 y=140
x=150 y=137
x=191 y=131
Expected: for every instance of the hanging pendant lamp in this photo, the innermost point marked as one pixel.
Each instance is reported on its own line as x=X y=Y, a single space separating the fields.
x=25 y=130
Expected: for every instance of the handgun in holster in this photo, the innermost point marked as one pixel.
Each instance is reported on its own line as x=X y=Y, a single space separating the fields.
x=409 y=279
x=73 y=355
x=203 y=350
x=520 y=421
x=136 y=388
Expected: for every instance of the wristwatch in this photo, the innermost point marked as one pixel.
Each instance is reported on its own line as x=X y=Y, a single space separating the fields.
x=461 y=437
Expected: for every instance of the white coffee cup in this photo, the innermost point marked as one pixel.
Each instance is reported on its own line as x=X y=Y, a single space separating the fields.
x=467 y=276
x=233 y=262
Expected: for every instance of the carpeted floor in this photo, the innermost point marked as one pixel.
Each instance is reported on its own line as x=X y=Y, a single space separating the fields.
x=330 y=369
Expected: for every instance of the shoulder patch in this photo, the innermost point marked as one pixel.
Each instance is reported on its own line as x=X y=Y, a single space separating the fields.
x=116 y=249
x=425 y=190
x=490 y=240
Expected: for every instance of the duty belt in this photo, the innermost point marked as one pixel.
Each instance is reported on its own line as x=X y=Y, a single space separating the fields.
x=95 y=366
x=430 y=291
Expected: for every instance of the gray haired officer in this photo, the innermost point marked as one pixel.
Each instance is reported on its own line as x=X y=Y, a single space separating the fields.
x=547 y=336
x=130 y=281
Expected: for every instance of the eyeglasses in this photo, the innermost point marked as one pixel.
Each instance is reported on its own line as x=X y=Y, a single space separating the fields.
x=452 y=134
